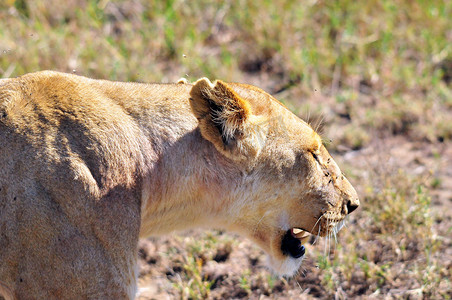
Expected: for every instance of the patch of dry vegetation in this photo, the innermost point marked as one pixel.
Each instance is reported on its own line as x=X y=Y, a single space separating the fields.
x=376 y=73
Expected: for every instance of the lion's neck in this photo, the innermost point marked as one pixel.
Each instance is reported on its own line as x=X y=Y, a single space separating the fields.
x=189 y=185
x=186 y=182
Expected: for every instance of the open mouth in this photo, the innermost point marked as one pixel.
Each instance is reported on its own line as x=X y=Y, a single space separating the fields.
x=293 y=241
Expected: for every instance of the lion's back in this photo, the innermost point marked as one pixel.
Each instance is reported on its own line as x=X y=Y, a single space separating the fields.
x=65 y=123
x=64 y=146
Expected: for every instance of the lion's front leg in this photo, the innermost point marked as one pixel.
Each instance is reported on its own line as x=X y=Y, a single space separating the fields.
x=48 y=251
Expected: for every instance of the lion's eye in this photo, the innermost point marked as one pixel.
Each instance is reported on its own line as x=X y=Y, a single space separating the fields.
x=315 y=157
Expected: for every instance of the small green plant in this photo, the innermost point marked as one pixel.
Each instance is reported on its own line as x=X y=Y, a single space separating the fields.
x=271 y=281
x=244 y=281
x=197 y=286
x=328 y=275
x=190 y=280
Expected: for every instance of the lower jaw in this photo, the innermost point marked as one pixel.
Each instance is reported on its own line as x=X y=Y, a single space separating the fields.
x=287 y=267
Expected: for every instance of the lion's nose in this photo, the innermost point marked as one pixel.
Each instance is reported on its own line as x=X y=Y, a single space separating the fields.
x=352 y=205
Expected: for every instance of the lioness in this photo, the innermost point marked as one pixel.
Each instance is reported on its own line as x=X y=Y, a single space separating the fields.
x=87 y=167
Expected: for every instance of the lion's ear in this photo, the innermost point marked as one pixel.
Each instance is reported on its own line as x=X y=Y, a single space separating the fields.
x=224 y=119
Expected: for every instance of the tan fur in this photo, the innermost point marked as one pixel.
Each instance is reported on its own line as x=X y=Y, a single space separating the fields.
x=87 y=167
x=5 y=292
x=182 y=81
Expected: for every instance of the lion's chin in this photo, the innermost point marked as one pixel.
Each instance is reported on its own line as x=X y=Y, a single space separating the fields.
x=290 y=247
x=288 y=267
x=293 y=251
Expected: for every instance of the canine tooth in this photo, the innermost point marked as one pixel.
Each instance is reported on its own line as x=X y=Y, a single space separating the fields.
x=299 y=233
x=296 y=231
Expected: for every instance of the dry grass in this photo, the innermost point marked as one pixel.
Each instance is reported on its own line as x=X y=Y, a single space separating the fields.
x=378 y=73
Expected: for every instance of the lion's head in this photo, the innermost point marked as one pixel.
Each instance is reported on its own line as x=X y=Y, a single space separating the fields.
x=290 y=185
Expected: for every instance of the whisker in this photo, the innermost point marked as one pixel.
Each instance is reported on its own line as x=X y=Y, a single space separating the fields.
x=318 y=233
x=334 y=234
x=328 y=238
x=319 y=123
x=343 y=223
x=331 y=238
x=325 y=241
x=317 y=236
x=317 y=221
x=335 y=237
x=301 y=290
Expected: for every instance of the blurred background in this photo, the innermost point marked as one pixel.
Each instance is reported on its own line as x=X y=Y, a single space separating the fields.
x=374 y=77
